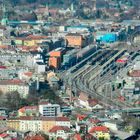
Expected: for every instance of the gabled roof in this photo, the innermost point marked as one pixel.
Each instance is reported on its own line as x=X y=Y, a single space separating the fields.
x=4 y=135
x=36 y=137
x=77 y=137
x=37 y=37
x=62 y=119
x=81 y=117
x=57 y=128
x=25 y=108
x=98 y=129
x=92 y=102
x=83 y=96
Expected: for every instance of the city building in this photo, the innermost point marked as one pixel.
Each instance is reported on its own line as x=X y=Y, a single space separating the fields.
x=21 y=87
x=100 y=132
x=28 y=111
x=49 y=110
x=13 y=123
x=40 y=67
x=5 y=136
x=30 y=124
x=63 y=121
x=60 y=131
x=106 y=37
x=75 y=40
x=56 y=58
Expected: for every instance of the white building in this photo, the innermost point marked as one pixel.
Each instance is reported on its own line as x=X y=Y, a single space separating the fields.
x=40 y=67
x=63 y=121
x=15 y=85
x=49 y=110
x=27 y=124
x=110 y=125
x=59 y=131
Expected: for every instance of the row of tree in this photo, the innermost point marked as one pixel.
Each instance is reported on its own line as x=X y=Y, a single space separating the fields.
x=13 y=101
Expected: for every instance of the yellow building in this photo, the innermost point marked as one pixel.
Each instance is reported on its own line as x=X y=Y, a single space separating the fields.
x=30 y=40
x=47 y=124
x=104 y=135
x=100 y=132
x=19 y=41
x=14 y=123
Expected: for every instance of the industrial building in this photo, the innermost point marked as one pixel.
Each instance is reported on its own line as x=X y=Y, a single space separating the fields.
x=106 y=37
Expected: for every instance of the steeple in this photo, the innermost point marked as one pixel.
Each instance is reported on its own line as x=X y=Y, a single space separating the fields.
x=72 y=7
x=4 y=20
x=94 y=5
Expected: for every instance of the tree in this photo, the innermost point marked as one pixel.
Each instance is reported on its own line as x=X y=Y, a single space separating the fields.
x=13 y=100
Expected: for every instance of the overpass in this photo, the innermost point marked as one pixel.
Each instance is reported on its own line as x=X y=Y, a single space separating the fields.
x=125 y=110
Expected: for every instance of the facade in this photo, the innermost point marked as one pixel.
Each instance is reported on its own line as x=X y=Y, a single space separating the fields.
x=15 y=85
x=28 y=111
x=36 y=124
x=56 y=58
x=30 y=40
x=47 y=124
x=106 y=37
x=100 y=132
x=14 y=123
x=40 y=67
x=63 y=121
x=49 y=110
x=30 y=124
x=54 y=62
x=59 y=131
x=69 y=59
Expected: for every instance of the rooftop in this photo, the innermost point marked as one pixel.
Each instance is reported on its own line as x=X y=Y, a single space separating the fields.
x=58 y=128
x=99 y=128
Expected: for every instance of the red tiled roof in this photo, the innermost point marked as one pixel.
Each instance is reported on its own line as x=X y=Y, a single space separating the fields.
x=98 y=128
x=92 y=102
x=43 y=103
x=2 y=118
x=77 y=137
x=89 y=137
x=138 y=103
x=3 y=47
x=134 y=73
x=3 y=67
x=37 y=137
x=62 y=119
x=37 y=37
x=121 y=98
x=57 y=128
x=29 y=48
x=25 y=108
x=42 y=10
x=26 y=118
x=59 y=138
x=14 y=82
x=81 y=117
x=95 y=121
x=83 y=96
x=4 y=135
x=29 y=74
